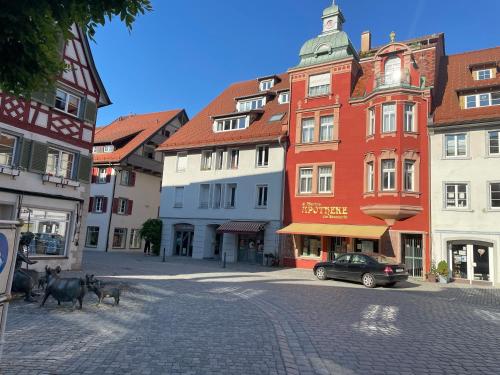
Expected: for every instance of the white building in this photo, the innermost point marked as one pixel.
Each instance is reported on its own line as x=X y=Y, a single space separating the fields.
x=465 y=168
x=126 y=178
x=45 y=162
x=223 y=175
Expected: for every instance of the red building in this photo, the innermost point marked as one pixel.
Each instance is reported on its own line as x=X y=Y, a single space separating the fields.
x=357 y=165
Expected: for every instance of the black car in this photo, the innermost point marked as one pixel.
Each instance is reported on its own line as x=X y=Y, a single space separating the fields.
x=370 y=270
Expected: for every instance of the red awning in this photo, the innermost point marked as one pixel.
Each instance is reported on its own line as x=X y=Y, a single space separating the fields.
x=241 y=227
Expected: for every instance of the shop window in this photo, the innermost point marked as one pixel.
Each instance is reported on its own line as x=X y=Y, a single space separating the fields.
x=388 y=174
x=493 y=143
x=135 y=239
x=178 y=196
x=8 y=146
x=50 y=229
x=305 y=180
x=495 y=195
x=326 y=128
x=119 y=238
x=92 y=238
x=456 y=196
x=311 y=246
x=455 y=145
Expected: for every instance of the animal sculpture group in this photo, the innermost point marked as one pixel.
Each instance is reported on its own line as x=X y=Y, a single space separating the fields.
x=62 y=289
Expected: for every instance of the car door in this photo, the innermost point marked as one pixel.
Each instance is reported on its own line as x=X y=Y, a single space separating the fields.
x=338 y=270
x=357 y=266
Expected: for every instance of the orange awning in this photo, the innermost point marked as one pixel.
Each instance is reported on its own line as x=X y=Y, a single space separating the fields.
x=335 y=230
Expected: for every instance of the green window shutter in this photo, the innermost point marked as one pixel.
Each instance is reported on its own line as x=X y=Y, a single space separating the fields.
x=90 y=111
x=38 y=160
x=84 y=167
x=24 y=153
x=47 y=97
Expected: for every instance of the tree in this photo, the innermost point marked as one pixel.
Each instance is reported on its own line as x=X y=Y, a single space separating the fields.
x=151 y=230
x=31 y=33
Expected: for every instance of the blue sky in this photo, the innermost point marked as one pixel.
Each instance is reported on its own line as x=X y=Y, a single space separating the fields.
x=184 y=53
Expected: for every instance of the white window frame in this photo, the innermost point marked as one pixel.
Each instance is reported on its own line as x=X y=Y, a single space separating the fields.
x=217 y=196
x=490 y=195
x=58 y=171
x=307 y=178
x=409 y=120
x=489 y=141
x=391 y=175
x=102 y=177
x=231 y=157
x=98 y=204
x=178 y=203
x=266 y=85
x=456 y=196
x=261 y=200
x=262 y=156
x=230 y=201
x=204 y=188
x=478 y=97
x=456 y=154
x=206 y=160
x=323 y=124
x=392 y=71
x=276 y=117
x=371 y=121
x=323 y=178
x=108 y=148
x=409 y=175
x=178 y=166
x=370 y=176
x=233 y=124
x=8 y=160
x=122 y=206
x=478 y=74
x=125 y=177
x=251 y=104
x=134 y=238
x=65 y=101
x=284 y=97
x=307 y=130
x=219 y=159
x=389 y=118
x=123 y=245
x=319 y=84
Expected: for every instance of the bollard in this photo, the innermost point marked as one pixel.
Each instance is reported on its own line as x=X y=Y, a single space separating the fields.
x=224 y=261
x=163 y=255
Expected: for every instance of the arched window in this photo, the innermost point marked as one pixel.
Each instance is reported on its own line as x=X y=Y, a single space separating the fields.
x=392 y=71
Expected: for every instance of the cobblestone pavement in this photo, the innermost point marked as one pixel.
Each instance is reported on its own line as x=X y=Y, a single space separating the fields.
x=193 y=317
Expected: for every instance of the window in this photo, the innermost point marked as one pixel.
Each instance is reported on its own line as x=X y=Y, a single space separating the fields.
x=99 y=204
x=230 y=124
x=125 y=178
x=388 y=118
x=324 y=179
x=284 y=97
x=409 y=175
x=92 y=238
x=307 y=130
x=392 y=71
x=206 y=160
x=262 y=196
x=50 y=229
x=305 y=180
x=204 y=195
x=311 y=246
x=122 y=206
x=319 y=84
x=388 y=174
x=102 y=175
x=409 y=125
x=248 y=105
x=135 y=239
x=482 y=100
x=371 y=121
x=219 y=159
x=234 y=158
x=148 y=151
x=456 y=195
x=181 y=162
x=455 y=145
x=67 y=102
x=344 y=259
x=495 y=195
x=262 y=156
x=8 y=145
x=370 y=176
x=178 y=196
x=59 y=163
x=276 y=117
x=230 y=196
x=266 y=85
x=484 y=74
x=119 y=238
x=109 y=148
x=494 y=142
x=217 y=199
x=326 y=128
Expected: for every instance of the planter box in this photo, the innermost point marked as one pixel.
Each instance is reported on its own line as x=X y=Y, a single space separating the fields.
x=432 y=278
x=443 y=279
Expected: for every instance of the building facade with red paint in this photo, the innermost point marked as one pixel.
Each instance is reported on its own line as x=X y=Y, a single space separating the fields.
x=357 y=170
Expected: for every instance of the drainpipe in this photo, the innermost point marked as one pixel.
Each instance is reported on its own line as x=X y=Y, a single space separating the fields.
x=111 y=210
x=429 y=188
x=282 y=201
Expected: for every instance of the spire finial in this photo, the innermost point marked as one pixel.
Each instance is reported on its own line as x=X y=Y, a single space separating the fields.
x=392 y=36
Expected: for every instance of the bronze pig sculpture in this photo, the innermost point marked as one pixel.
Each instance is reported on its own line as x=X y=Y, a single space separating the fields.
x=101 y=291
x=63 y=289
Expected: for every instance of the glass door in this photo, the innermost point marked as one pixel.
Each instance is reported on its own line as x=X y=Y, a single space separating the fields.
x=481 y=263
x=459 y=261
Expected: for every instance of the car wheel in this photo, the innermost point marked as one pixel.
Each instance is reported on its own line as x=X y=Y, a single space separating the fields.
x=368 y=280
x=321 y=273
x=390 y=285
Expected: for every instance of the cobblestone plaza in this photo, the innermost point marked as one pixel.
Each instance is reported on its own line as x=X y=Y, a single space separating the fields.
x=194 y=317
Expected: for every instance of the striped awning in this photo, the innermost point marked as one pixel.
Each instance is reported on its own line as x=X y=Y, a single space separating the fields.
x=335 y=230
x=241 y=227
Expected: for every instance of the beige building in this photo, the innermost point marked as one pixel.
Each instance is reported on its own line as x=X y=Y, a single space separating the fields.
x=126 y=178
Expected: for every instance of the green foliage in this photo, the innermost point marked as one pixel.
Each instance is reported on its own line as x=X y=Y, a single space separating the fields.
x=31 y=35
x=433 y=270
x=442 y=268
x=151 y=230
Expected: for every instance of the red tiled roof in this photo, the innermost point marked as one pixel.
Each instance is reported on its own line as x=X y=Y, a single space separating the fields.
x=456 y=74
x=198 y=132
x=141 y=127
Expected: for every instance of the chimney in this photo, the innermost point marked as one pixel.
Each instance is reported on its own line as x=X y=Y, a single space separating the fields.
x=366 y=41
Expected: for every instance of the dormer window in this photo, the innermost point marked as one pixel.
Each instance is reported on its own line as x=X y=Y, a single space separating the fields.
x=228 y=124
x=266 y=85
x=248 y=105
x=284 y=97
x=319 y=84
x=392 y=71
x=483 y=74
x=482 y=100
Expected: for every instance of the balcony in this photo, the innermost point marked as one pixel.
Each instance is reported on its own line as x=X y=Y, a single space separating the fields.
x=389 y=81
x=149 y=165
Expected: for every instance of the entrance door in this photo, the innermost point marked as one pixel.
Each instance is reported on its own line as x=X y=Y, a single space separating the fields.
x=184 y=243
x=470 y=261
x=459 y=261
x=247 y=248
x=481 y=263
x=338 y=245
x=218 y=245
x=412 y=254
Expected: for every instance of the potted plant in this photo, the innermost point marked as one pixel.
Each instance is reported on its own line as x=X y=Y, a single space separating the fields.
x=432 y=276
x=443 y=272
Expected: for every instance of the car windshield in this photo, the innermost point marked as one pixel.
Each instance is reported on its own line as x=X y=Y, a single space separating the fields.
x=383 y=259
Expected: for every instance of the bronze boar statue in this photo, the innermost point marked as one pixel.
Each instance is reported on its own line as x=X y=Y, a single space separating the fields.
x=69 y=289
